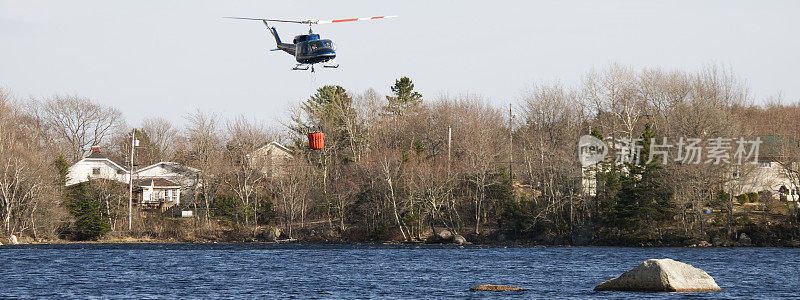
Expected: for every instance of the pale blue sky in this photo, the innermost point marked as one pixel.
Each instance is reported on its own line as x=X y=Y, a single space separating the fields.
x=168 y=58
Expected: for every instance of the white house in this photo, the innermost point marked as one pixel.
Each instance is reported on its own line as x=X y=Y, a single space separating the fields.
x=156 y=185
x=162 y=184
x=589 y=180
x=157 y=193
x=94 y=166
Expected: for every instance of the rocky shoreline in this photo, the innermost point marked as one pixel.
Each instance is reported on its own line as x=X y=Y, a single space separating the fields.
x=702 y=244
x=436 y=236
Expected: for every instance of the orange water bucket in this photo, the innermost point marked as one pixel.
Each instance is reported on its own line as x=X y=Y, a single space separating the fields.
x=316 y=140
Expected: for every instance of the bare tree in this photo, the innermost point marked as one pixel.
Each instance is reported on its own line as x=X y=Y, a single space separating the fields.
x=204 y=152
x=28 y=189
x=551 y=123
x=615 y=93
x=78 y=123
x=162 y=134
x=244 y=171
x=389 y=170
x=292 y=188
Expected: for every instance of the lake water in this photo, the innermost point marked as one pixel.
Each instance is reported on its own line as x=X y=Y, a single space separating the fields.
x=371 y=271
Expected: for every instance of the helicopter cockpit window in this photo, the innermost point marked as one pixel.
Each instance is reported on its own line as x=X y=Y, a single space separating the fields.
x=313 y=46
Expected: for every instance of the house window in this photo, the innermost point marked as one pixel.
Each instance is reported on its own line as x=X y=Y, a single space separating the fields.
x=764 y=164
x=175 y=193
x=120 y=172
x=95 y=171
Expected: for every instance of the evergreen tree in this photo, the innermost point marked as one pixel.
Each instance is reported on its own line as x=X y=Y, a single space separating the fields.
x=330 y=106
x=633 y=198
x=62 y=165
x=90 y=218
x=607 y=197
x=597 y=133
x=330 y=109
x=404 y=99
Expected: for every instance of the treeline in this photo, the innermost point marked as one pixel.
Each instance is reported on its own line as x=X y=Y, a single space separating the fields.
x=402 y=166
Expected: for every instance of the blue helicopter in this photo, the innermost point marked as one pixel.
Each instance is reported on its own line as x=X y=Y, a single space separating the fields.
x=308 y=49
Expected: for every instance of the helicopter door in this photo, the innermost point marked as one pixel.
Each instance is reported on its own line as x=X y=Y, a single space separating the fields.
x=303 y=49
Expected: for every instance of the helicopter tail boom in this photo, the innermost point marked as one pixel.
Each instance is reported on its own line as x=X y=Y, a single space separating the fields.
x=288 y=48
x=273 y=32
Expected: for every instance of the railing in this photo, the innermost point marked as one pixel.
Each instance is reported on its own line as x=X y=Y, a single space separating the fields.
x=157 y=203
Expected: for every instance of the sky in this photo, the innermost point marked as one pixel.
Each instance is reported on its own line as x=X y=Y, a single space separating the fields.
x=167 y=58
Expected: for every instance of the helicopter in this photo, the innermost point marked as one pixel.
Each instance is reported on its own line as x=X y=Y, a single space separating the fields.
x=308 y=49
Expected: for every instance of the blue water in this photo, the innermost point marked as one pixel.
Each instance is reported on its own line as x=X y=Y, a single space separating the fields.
x=371 y=271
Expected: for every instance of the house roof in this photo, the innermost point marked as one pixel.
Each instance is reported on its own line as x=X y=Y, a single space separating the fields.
x=282 y=147
x=98 y=156
x=276 y=145
x=156 y=182
x=173 y=165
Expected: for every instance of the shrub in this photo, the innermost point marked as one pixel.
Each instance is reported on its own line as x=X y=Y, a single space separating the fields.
x=742 y=199
x=752 y=197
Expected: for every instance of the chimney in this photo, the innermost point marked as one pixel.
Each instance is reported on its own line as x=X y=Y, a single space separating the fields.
x=96 y=149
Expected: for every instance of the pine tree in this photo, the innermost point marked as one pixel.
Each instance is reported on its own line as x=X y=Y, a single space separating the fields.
x=404 y=99
x=597 y=133
x=62 y=165
x=331 y=110
x=90 y=218
x=634 y=199
x=330 y=106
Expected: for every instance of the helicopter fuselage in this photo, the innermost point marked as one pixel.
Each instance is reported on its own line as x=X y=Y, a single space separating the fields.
x=310 y=49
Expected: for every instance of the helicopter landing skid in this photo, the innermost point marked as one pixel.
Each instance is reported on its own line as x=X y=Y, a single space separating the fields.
x=305 y=67
x=301 y=67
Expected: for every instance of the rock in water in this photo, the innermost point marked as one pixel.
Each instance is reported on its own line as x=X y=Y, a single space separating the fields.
x=745 y=240
x=496 y=288
x=458 y=239
x=661 y=275
x=271 y=234
x=13 y=240
x=444 y=235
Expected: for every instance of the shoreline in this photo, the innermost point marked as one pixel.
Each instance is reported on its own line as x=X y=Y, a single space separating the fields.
x=385 y=243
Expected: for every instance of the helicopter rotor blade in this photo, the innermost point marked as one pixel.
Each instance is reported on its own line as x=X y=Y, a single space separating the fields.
x=314 y=21
x=351 y=20
x=272 y=20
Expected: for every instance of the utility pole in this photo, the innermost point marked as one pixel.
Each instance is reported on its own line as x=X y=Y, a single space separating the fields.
x=449 y=144
x=130 y=182
x=510 y=145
